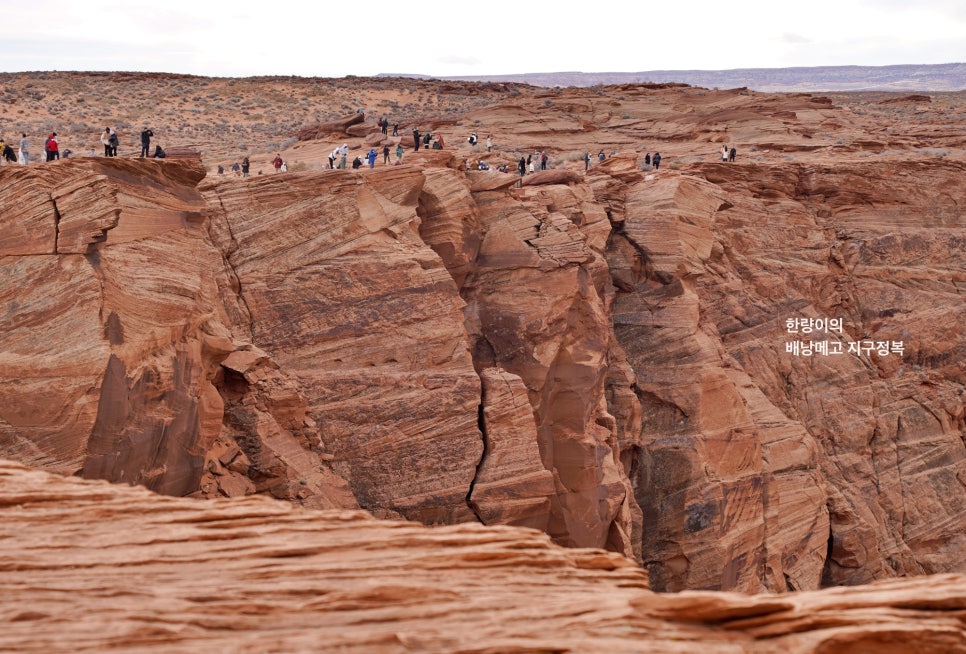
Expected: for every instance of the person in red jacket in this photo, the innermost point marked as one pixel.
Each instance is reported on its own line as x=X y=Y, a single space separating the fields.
x=53 y=152
x=277 y=162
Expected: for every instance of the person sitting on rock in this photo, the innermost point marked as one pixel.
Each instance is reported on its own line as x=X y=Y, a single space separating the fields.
x=356 y=163
x=472 y=139
x=159 y=153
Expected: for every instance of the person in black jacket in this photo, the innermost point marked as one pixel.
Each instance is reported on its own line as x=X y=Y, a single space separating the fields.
x=146 y=135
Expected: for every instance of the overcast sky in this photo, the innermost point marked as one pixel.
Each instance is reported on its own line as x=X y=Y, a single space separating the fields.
x=479 y=37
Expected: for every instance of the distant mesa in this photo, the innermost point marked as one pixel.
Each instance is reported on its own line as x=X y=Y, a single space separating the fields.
x=906 y=77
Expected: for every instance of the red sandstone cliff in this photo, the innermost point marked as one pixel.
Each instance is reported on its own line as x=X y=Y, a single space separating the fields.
x=600 y=356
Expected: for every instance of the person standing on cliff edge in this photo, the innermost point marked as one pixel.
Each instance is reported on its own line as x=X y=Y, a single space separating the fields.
x=146 y=135
x=24 y=152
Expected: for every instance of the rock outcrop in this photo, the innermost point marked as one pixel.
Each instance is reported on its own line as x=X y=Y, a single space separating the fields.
x=90 y=566
x=343 y=293
x=321 y=130
x=114 y=335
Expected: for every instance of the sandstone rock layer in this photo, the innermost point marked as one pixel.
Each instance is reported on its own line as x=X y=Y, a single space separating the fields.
x=88 y=566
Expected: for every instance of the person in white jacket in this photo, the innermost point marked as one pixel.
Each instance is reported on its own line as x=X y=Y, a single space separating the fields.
x=23 y=154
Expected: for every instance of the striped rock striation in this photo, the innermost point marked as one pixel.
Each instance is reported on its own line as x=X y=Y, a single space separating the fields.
x=88 y=566
x=604 y=356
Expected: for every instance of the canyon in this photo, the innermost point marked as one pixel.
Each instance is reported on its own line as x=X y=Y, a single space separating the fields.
x=734 y=376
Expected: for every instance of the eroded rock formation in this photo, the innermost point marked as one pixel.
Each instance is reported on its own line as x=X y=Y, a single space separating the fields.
x=114 y=331
x=604 y=356
x=96 y=567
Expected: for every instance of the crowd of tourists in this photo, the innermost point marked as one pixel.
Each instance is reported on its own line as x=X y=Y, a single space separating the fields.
x=52 y=150
x=19 y=152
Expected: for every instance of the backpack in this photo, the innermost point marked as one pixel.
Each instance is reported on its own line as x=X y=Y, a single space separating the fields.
x=47 y=145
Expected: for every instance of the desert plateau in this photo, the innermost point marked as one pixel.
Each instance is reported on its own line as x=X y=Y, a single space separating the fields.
x=432 y=404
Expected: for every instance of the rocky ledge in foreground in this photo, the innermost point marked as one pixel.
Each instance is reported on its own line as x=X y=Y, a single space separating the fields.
x=90 y=566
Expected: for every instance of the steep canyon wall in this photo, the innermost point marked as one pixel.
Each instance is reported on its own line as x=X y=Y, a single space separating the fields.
x=602 y=357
